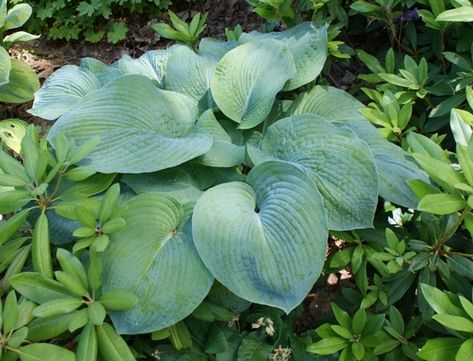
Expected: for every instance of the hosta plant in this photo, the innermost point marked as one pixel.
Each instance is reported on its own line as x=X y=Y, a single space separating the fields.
x=227 y=177
x=18 y=81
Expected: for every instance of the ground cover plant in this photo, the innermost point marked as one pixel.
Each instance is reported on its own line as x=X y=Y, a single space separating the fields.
x=179 y=205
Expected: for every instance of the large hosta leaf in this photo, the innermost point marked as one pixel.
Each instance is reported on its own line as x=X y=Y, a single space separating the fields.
x=62 y=90
x=155 y=259
x=307 y=44
x=224 y=151
x=5 y=66
x=394 y=166
x=151 y=64
x=265 y=239
x=247 y=79
x=141 y=127
x=190 y=74
x=340 y=164
x=22 y=84
x=185 y=183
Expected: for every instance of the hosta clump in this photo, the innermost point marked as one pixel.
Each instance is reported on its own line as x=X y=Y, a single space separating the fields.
x=241 y=185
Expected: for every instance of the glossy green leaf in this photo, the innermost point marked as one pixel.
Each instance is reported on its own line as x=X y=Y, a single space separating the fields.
x=96 y=313
x=328 y=345
x=72 y=265
x=10 y=226
x=170 y=277
x=37 y=287
x=465 y=351
x=455 y=322
x=87 y=346
x=57 y=307
x=252 y=349
x=111 y=346
x=442 y=203
x=247 y=79
x=45 y=352
x=439 y=301
x=41 y=248
x=461 y=14
x=118 y=300
x=272 y=238
x=327 y=154
x=440 y=349
x=149 y=121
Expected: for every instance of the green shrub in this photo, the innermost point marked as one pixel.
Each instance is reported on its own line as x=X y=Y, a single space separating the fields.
x=18 y=81
x=90 y=19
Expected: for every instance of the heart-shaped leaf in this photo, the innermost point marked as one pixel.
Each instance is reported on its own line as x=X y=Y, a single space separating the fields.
x=265 y=239
x=190 y=74
x=339 y=163
x=394 y=166
x=306 y=43
x=247 y=79
x=141 y=127
x=155 y=259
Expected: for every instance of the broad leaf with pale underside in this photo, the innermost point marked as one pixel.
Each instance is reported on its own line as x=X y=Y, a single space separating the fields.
x=265 y=239
x=155 y=259
x=394 y=166
x=307 y=44
x=245 y=83
x=141 y=127
x=339 y=163
x=224 y=152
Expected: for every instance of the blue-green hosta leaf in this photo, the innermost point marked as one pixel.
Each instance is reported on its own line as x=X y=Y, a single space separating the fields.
x=151 y=64
x=103 y=72
x=12 y=132
x=394 y=166
x=190 y=74
x=5 y=66
x=247 y=79
x=224 y=153
x=154 y=257
x=338 y=161
x=3 y=12
x=186 y=183
x=215 y=48
x=19 y=36
x=22 y=85
x=141 y=127
x=17 y=16
x=307 y=44
x=63 y=90
x=265 y=239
